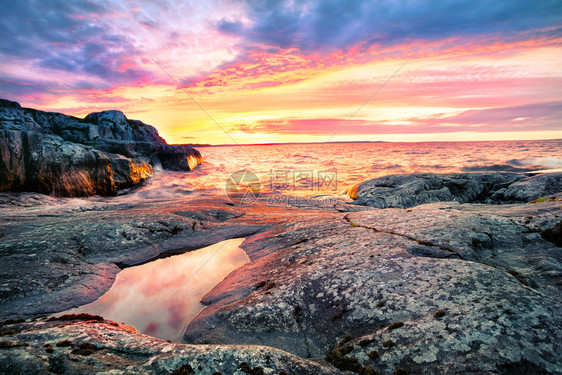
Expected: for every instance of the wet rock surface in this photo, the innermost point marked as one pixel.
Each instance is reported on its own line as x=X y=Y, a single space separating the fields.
x=62 y=155
x=55 y=258
x=437 y=288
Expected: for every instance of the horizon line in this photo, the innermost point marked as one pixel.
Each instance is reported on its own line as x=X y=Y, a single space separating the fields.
x=344 y=142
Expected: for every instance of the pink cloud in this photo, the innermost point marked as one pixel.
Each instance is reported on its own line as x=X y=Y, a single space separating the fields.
x=530 y=117
x=262 y=66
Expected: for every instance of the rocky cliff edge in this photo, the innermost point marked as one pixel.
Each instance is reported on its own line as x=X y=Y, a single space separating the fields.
x=62 y=155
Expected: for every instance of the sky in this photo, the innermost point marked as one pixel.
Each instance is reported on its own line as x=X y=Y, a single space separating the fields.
x=261 y=71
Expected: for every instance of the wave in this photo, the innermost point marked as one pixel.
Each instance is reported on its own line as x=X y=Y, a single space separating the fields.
x=433 y=166
x=548 y=162
x=381 y=166
x=495 y=168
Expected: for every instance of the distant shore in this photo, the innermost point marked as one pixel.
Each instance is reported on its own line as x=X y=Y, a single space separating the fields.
x=352 y=142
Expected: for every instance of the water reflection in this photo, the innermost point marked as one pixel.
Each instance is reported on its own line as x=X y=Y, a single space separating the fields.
x=159 y=298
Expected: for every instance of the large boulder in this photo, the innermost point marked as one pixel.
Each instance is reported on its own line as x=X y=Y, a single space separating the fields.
x=404 y=191
x=57 y=154
x=531 y=188
x=173 y=157
x=47 y=164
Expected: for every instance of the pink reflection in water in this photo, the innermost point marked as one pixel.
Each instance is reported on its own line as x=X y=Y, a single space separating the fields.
x=159 y=298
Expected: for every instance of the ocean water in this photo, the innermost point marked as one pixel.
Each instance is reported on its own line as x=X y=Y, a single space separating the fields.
x=313 y=169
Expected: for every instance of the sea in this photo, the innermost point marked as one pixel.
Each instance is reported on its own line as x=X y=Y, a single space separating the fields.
x=332 y=168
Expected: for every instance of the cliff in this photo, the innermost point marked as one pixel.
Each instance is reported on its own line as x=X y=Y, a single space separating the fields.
x=53 y=153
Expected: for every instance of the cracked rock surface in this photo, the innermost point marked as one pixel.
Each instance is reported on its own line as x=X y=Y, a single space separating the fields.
x=473 y=291
x=439 y=288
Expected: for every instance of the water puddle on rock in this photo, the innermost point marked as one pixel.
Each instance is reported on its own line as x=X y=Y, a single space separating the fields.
x=159 y=298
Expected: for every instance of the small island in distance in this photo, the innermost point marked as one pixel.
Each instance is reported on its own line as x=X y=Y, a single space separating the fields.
x=281 y=143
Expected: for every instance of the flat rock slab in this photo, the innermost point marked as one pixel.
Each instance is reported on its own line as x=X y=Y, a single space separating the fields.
x=434 y=289
x=58 y=257
x=437 y=288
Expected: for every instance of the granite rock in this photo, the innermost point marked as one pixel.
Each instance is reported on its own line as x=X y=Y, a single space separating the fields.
x=496 y=283
x=62 y=155
x=91 y=345
x=437 y=288
x=404 y=191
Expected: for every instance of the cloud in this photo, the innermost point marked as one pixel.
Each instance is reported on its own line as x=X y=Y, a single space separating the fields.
x=257 y=67
x=20 y=87
x=312 y=36
x=530 y=117
x=313 y=25
x=74 y=38
x=34 y=26
x=230 y=27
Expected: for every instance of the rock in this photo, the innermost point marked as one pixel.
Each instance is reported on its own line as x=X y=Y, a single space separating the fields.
x=49 y=165
x=53 y=263
x=128 y=173
x=9 y=104
x=438 y=288
x=497 y=283
x=403 y=191
x=62 y=155
x=116 y=121
x=531 y=188
x=173 y=157
x=12 y=167
x=84 y=346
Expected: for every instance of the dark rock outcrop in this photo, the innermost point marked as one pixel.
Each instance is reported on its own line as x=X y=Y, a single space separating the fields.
x=403 y=191
x=105 y=152
x=530 y=188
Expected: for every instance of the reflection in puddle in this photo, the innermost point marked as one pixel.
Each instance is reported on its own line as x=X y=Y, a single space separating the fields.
x=159 y=298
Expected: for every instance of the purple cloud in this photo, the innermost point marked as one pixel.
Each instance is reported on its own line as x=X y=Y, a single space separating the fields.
x=333 y=24
x=72 y=37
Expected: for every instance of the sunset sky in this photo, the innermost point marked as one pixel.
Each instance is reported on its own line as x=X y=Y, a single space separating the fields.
x=293 y=71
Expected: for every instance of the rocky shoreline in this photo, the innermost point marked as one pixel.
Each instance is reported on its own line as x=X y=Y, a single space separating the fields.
x=52 y=153
x=441 y=287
